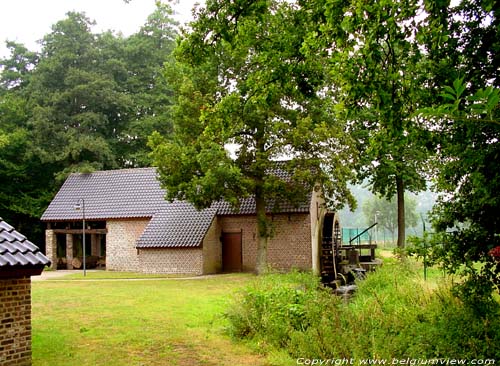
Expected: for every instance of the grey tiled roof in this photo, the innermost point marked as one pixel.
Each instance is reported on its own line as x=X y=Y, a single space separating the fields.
x=16 y=250
x=136 y=193
x=131 y=193
x=247 y=207
x=126 y=193
x=178 y=224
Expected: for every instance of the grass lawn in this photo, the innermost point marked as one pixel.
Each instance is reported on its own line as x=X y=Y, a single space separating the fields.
x=140 y=322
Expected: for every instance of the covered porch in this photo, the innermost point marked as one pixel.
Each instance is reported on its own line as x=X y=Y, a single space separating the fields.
x=64 y=244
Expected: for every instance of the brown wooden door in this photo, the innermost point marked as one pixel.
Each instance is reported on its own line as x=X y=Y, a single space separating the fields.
x=231 y=252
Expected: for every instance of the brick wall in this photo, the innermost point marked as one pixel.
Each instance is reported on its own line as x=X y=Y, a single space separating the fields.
x=15 y=322
x=290 y=246
x=171 y=260
x=121 y=253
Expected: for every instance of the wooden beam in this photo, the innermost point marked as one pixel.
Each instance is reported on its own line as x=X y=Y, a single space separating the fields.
x=20 y=271
x=80 y=231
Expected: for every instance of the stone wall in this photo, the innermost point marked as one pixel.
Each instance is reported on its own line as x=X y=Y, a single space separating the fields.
x=205 y=259
x=212 y=249
x=290 y=246
x=15 y=322
x=121 y=253
x=171 y=260
x=51 y=247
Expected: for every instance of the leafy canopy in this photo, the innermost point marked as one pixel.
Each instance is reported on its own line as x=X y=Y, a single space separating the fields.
x=242 y=79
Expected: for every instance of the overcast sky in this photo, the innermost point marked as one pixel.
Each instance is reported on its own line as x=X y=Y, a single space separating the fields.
x=26 y=21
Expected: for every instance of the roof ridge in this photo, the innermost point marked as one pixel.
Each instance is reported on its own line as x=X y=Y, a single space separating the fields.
x=112 y=171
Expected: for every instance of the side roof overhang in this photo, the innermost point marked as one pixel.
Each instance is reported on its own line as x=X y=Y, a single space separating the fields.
x=178 y=224
x=19 y=257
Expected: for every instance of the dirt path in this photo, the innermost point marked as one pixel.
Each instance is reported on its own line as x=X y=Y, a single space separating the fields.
x=48 y=275
x=60 y=275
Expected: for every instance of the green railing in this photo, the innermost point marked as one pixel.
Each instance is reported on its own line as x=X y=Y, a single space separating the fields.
x=361 y=234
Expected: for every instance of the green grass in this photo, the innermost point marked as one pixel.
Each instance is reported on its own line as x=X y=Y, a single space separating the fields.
x=434 y=274
x=393 y=314
x=107 y=320
x=112 y=323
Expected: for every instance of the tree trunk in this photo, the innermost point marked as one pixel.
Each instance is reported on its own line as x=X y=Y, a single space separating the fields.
x=262 y=232
x=400 y=191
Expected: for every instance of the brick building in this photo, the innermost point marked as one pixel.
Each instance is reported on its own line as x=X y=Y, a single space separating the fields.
x=19 y=260
x=129 y=223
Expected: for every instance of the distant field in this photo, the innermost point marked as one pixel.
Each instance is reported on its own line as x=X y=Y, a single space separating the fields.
x=136 y=323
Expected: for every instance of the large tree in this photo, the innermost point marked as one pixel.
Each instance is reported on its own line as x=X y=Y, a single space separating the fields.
x=86 y=101
x=379 y=78
x=96 y=97
x=242 y=79
x=25 y=180
x=467 y=127
x=466 y=216
x=386 y=213
x=145 y=53
x=78 y=107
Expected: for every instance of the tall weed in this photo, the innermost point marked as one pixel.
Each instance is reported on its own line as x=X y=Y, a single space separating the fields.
x=273 y=307
x=393 y=314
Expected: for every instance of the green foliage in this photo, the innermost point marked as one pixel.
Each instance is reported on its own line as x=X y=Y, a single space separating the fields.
x=15 y=71
x=93 y=98
x=378 y=76
x=86 y=102
x=243 y=83
x=241 y=79
x=466 y=225
x=457 y=105
x=274 y=307
x=392 y=315
x=466 y=128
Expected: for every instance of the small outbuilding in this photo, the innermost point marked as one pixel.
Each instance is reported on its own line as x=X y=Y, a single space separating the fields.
x=19 y=260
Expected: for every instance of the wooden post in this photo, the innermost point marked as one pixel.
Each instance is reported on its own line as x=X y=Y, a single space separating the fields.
x=69 y=251
x=95 y=245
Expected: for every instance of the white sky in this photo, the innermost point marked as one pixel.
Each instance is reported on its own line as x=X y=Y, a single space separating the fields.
x=26 y=21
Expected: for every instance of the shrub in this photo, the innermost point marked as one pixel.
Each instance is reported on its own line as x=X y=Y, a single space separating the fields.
x=273 y=307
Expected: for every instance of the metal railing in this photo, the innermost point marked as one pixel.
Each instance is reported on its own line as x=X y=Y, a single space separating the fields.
x=361 y=233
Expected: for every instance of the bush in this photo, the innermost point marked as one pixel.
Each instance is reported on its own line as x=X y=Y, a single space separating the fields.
x=273 y=307
x=392 y=315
